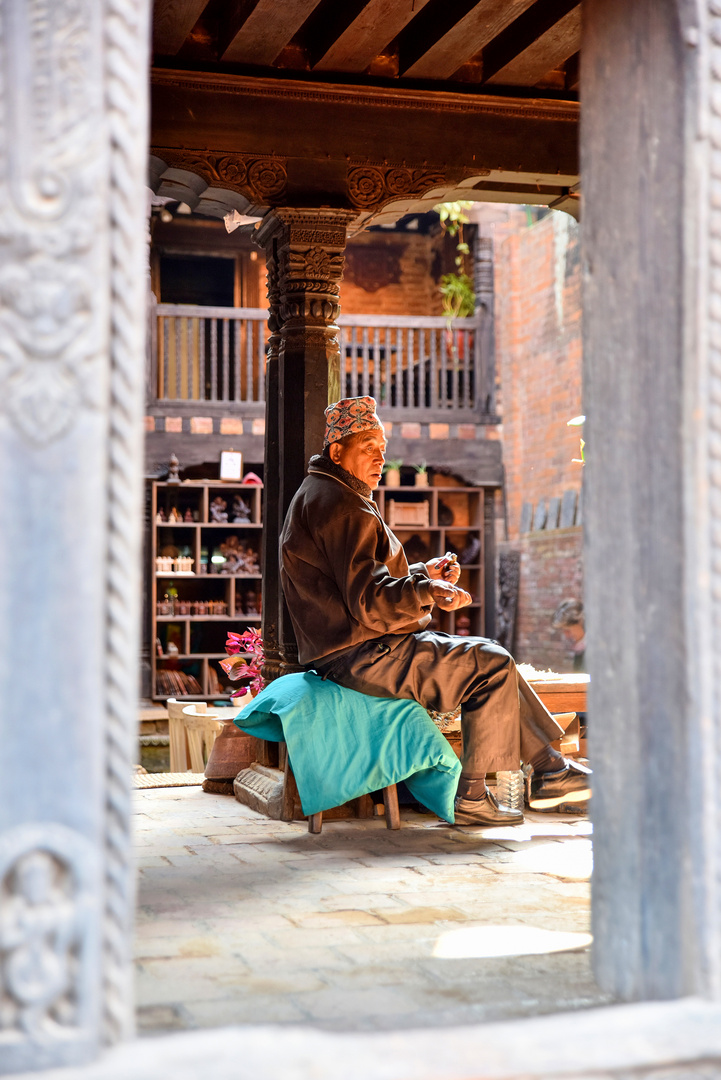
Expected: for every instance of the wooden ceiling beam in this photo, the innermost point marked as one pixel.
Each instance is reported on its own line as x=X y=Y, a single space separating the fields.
x=373 y=29
x=296 y=143
x=547 y=53
x=253 y=32
x=539 y=37
x=462 y=41
x=172 y=22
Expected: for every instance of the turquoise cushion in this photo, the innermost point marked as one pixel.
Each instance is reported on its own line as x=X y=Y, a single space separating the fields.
x=343 y=744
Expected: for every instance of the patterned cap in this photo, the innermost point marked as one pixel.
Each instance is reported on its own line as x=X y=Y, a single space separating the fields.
x=349 y=416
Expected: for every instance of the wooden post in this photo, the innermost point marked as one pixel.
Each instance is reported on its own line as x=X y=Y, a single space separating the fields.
x=650 y=153
x=306 y=251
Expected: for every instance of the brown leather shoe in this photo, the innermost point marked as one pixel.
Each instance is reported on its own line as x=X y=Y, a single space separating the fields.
x=485 y=811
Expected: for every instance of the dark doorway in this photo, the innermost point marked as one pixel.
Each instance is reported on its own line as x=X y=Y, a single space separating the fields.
x=197 y=279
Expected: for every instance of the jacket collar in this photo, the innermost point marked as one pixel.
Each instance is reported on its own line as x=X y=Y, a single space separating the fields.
x=321 y=464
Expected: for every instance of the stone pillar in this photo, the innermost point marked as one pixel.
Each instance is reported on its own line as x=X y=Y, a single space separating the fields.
x=73 y=129
x=305 y=252
x=651 y=87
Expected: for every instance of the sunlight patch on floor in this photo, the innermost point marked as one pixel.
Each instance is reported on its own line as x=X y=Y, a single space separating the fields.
x=488 y=941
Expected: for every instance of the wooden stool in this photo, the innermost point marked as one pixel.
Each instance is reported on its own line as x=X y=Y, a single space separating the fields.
x=315 y=821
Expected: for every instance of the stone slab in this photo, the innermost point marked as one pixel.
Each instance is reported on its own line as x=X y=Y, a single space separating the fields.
x=568 y=509
x=682 y=1038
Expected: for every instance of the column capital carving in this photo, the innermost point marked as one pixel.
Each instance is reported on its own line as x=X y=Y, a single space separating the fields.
x=311 y=227
x=309 y=246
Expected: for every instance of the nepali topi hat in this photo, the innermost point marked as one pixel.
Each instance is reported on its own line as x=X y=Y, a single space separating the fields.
x=349 y=416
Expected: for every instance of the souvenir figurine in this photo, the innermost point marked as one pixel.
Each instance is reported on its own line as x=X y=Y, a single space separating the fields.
x=219 y=510
x=241 y=510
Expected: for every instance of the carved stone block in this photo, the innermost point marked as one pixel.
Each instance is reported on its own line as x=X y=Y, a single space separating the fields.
x=261 y=788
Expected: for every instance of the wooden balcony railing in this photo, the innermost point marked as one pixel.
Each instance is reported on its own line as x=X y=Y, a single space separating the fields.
x=415 y=367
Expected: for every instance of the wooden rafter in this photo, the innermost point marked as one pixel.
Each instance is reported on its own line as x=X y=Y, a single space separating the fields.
x=547 y=52
x=462 y=41
x=172 y=22
x=532 y=41
x=373 y=29
x=253 y=31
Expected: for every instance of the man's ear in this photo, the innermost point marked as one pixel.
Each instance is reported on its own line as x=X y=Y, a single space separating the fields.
x=334 y=451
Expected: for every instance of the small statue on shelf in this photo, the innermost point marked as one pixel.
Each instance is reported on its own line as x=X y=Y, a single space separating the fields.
x=471 y=551
x=174 y=515
x=251 y=607
x=160 y=517
x=188 y=516
x=173 y=466
x=219 y=510
x=239 y=558
x=241 y=511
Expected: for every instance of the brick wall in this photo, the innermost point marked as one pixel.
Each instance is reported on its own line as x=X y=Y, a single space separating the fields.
x=393 y=274
x=551 y=571
x=538 y=356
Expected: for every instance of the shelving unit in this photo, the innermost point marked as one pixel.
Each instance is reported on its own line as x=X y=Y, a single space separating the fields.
x=460 y=519
x=193 y=611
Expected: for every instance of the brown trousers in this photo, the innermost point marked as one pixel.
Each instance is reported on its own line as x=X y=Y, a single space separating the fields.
x=502 y=720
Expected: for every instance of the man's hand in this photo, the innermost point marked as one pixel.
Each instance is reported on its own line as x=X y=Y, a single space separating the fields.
x=449 y=597
x=447 y=571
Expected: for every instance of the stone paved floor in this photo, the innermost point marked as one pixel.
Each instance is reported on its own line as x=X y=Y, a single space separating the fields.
x=242 y=920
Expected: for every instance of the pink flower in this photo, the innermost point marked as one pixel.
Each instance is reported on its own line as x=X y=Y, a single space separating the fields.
x=236 y=667
x=234 y=644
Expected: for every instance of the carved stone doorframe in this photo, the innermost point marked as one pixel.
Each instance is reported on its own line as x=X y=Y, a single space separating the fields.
x=72 y=294
x=73 y=135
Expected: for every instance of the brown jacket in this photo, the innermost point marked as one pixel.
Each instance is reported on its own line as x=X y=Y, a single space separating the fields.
x=345 y=575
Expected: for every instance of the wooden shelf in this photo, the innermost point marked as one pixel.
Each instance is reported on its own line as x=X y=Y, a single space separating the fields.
x=474 y=506
x=197 y=495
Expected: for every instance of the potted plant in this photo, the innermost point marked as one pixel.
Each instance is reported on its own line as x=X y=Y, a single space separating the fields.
x=236 y=667
x=456 y=289
x=392 y=472
x=421 y=474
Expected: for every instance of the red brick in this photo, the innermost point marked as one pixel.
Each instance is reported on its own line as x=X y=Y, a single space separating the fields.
x=231 y=425
x=150 y=423
x=174 y=424
x=258 y=426
x=201 y=425
x=439 y=431
x=467 y=431
x=410 y=431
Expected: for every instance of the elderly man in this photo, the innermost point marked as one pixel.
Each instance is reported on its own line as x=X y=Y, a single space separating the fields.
x=360 y=614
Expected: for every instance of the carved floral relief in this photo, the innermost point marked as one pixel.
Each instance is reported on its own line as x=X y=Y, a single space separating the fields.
x=46 y=919
x=261 y=180
x=372 y=186
x=51 y=210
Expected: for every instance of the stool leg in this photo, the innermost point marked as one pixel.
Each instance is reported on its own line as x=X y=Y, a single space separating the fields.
x=315 y=823
x=390 y=801
x=290 y=790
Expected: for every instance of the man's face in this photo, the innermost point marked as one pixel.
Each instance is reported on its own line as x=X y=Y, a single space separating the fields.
x=363 y=457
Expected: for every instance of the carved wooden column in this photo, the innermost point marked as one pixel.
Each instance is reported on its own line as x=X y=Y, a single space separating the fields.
x=271 y=528
x=305 y=251
x=73 y=141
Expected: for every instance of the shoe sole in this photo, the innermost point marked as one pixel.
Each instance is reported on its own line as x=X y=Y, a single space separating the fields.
x=485 y=824
x=582 y=795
